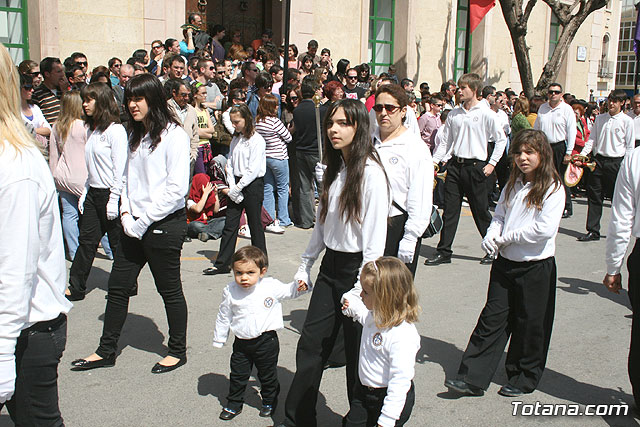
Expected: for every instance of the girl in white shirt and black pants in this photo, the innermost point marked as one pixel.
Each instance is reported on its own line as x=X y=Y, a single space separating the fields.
x=106 y=156
x=522 y=286
x=246 y=167
x=351 y=224
x=154 y=222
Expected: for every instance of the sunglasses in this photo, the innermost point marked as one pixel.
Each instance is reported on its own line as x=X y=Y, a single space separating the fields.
x=220 y=72
x=293 y=98
x=81 y=63
x=212 y=68
x=117 y=65
x=34 y=73
x=157 y=46
x=27 y=87
x=438 y=105
x=554 y=92
x=238 y=99
x=352 y=77
x=390 y=108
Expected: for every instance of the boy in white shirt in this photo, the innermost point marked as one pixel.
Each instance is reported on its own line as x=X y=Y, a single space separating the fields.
x=251 y=308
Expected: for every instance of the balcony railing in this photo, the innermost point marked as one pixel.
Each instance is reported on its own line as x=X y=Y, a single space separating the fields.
x=605 y=69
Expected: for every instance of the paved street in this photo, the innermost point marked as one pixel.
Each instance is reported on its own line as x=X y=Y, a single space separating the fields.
x=587 y=361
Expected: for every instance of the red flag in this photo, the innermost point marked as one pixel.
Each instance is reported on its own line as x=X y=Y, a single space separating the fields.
x=477 y=10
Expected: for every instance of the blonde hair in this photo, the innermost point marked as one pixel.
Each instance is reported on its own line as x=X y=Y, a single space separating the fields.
x=395 y=299
x=12 y=128
x=70 y=111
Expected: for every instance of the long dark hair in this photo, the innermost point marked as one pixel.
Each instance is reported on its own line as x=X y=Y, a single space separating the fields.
x=245 y=113
x=158 y=117
x=106 y=110
x=545 y=174
x=360 y=150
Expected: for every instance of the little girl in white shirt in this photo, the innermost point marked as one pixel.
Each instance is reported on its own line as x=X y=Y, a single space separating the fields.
x=384 y=393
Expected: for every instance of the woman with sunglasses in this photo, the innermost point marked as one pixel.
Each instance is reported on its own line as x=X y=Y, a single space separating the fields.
x=407 y=161
x=154 y=222
x=32 y=116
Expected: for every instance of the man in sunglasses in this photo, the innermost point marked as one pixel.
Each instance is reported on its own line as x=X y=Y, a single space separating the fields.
x=206 y=76
x=430 y=120
x=80 y=59
x=558 y=122
x=351 y=90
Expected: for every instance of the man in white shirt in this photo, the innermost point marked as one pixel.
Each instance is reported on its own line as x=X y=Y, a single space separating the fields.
x=558 y=122
x=179 y=105
x=625 y=222
x=465 y=135
x=612 y=137
x=497 y=102
x=634 y=113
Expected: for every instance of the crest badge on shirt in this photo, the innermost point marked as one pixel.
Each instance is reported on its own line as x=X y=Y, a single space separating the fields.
x=377 y=339
x=393 y=160
x=268 y=302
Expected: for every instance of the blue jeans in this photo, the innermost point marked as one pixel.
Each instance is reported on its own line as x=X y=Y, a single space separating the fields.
x=70 y=230
x=276 y=182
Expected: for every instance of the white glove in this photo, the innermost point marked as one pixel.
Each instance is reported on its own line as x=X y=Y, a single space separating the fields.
x=355 y=303
x=319 y=171
x=113 y=206
x=303 y=275
x=490 y=246
x=81 y=200
x=7 y=376
x=128 y=226
x=217 y=344
x=406 y=250
x=501 y=242
x=235 y=194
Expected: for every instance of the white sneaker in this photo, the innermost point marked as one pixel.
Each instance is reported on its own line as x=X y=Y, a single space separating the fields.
x=244 y=232
x=274 y=228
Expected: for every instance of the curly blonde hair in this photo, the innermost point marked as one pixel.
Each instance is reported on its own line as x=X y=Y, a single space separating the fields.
x=394 y=294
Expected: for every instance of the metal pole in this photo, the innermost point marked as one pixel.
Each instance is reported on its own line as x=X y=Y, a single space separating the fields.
x=635 y=76
x=467 y=39
x=287 y=27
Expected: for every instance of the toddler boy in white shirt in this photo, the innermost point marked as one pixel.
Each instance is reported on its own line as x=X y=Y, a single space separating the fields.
x=251 y=308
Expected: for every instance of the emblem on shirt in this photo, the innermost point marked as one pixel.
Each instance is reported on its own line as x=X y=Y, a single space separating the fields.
x=475 y=119
x=268 y=302
x=103 y=138
x=377 y=339
x=393 y=160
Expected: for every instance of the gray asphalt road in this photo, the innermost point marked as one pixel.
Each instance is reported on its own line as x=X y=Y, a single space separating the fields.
x=587 y=361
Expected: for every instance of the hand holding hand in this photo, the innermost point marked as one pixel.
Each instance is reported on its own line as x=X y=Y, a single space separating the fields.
x=302 y=286
x=303 y=278
x=613 y=282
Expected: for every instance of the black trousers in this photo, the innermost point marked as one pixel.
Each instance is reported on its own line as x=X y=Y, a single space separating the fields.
x=252 y=205
x=559 y=149
x=38 y=352
x=338 y=274
x=521 y=305
x=160 y=247
x=633 y=265
x=395 y=232
x=93 y=225
x=367 y=404
x=600 y=183
x=263 y=353
x=463 y=179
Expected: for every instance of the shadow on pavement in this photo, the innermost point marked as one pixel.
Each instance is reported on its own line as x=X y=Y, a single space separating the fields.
x=571 y=233
x=296 y=320
x=553 y=383
x=584 y=287
x=98 y=278
x=142 y=333
x=210 y=255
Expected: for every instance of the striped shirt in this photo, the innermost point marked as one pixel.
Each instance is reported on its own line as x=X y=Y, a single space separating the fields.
x=276 y=136
x=48 y=102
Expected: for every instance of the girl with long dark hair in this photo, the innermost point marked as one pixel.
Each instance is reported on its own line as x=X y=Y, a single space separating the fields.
x=522 y=285
x=106 y=156
x=154 y=222
x=351 y=225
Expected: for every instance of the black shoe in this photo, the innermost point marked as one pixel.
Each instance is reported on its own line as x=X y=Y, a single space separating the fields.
x=438 y=259
x=486 y=260
x=590 y=236
x=510 y=391
x=463 y=388
x=229 y=414
x=566 y=214
x=211 y=271
x=203 y=237
x=266 y=411
x=161 y=369
x=74 y=296
x=85 y=365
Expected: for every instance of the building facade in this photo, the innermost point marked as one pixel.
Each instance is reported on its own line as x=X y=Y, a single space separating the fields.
x=426 y=40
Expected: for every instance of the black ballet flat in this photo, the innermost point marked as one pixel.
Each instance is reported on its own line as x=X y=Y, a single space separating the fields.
x=463 y=388
x=85 y=365
x=74 y=296
x=161 y=369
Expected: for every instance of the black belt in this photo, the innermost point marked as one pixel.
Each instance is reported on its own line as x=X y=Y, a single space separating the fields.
x=461 y=161
x=556 y=143
x=47 y=325
x=607 y=158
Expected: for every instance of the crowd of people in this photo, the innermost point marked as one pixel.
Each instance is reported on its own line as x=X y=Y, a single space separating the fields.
x=206 y=139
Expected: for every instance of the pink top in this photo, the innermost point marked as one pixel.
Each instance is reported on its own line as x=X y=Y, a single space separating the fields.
x=66 y=159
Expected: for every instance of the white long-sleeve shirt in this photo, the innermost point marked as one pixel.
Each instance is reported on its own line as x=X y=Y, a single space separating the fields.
x=387 y=359
x=625 y=221
x=611 y=136
x=247 y=159
x=106 y=157
x=409 y=167
x=33 y=274
x=369 y=236
x=529 y=233
x=636 y=123
x=249 y=312
x=559 y=124
x=466 y=132
x=157 y=181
